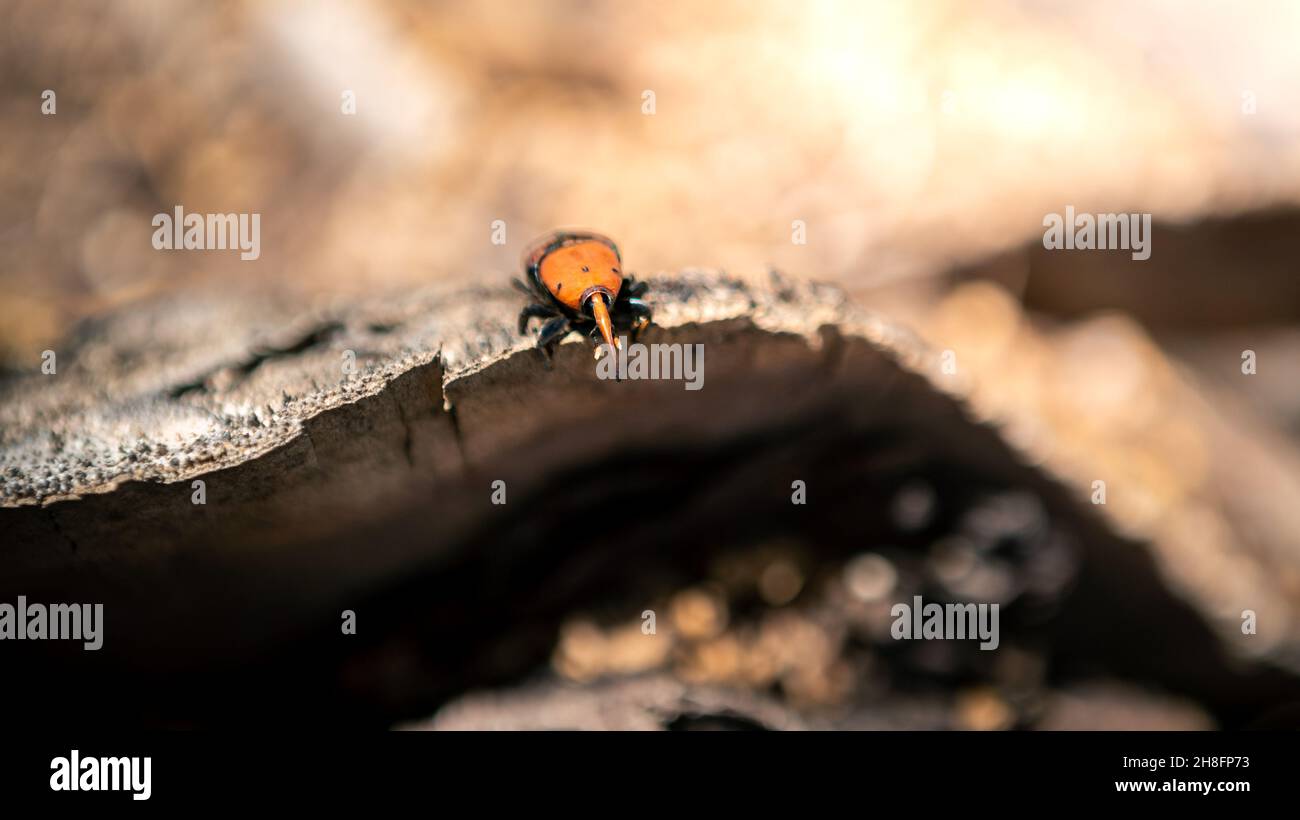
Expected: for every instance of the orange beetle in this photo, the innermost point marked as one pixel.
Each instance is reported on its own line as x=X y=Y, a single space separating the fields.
x=576 y=281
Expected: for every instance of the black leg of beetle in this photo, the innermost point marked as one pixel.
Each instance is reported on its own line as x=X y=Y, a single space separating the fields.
x=532 y=291
x=552 y=332
x=635 y=289
x=534 y=311
x=638 y=308
x=597 y=340
x=639 y=315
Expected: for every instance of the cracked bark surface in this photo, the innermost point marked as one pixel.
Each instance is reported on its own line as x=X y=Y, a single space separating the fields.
x=370 y=491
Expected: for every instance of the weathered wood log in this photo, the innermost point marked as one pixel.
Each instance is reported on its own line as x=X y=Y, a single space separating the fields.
x=371 y=490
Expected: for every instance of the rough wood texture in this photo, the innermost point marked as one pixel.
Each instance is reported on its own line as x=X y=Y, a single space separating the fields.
x=371 y=492
x=252 y=398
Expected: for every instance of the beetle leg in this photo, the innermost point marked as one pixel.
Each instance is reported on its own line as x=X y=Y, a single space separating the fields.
x=523 y=288
x=597 y=339
x=552 y=332
x=640 y=314
x=532 y=290
x=534 y=311
x=633 y=288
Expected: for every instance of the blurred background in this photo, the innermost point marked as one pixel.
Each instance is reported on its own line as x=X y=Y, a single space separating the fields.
x=918 y=147
x=910 y=138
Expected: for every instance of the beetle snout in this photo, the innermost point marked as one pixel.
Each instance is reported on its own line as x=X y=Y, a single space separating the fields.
x=599 y=304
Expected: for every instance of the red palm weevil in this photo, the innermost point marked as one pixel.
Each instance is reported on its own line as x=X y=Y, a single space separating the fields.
x=576 y=282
